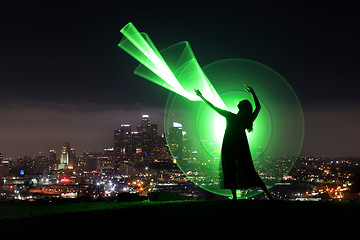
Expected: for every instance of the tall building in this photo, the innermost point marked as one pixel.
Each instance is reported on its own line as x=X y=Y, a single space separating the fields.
x=89 y=162
x=72 y=158
x=4 y=166
x=145 y=124
x=123 y=140
x=41 y=164
x=52 y=158
x=175 y=137
x=64 y=157
x=148 y=133
x=136 y=142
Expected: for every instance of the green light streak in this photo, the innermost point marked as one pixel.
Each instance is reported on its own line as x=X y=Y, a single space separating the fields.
x=175 y=68
x=146 y=53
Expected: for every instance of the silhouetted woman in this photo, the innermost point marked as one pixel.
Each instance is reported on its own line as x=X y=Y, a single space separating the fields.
x=237 y=166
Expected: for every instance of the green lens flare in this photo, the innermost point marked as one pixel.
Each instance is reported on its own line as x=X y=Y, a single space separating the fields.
x=194 y=131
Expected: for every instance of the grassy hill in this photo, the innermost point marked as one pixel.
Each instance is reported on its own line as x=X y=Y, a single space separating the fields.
x=200 y=217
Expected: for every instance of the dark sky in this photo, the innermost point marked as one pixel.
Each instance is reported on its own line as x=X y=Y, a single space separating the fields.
x=63 y=78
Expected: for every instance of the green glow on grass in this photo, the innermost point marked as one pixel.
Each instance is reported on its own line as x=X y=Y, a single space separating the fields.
x=278 y=132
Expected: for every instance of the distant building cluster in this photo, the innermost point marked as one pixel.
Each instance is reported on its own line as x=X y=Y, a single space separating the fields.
x=139 y=162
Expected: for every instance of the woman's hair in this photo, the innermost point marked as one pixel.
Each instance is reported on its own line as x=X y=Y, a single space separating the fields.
x=245 y=109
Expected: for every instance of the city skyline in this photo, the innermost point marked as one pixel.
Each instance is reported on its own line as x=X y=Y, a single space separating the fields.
x=80 y=147
x=132 y=127
x=140 y=164
x=70 y=81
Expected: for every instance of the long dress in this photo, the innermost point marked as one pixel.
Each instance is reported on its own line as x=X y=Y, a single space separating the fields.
x=238 y=170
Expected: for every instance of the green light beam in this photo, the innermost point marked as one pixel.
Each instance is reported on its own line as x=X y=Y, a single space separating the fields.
x=147 y=54
x=175 y=68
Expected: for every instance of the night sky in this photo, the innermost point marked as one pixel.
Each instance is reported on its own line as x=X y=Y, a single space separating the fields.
x=63 y=78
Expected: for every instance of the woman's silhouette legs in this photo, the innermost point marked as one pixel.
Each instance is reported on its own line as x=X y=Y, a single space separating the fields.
x=233 y=191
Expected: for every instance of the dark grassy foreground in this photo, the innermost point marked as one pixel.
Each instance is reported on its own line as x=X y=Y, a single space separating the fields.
x=179 y=217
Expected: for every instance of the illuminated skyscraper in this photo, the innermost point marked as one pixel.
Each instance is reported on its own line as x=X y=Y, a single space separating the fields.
x=72 y=157
x=176 y=139
x=145 y=123
x=148 y=134
x=64 y=157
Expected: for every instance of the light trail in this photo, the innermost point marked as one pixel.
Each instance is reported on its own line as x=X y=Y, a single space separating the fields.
x=175 y=68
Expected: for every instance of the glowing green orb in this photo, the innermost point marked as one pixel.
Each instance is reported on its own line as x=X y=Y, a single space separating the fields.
x=195 y=131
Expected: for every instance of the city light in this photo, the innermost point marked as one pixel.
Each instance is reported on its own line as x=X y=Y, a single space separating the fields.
x=64 y=180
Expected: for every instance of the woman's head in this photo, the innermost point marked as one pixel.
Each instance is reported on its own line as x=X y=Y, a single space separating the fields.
x=245 y=111
x=245 y=107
